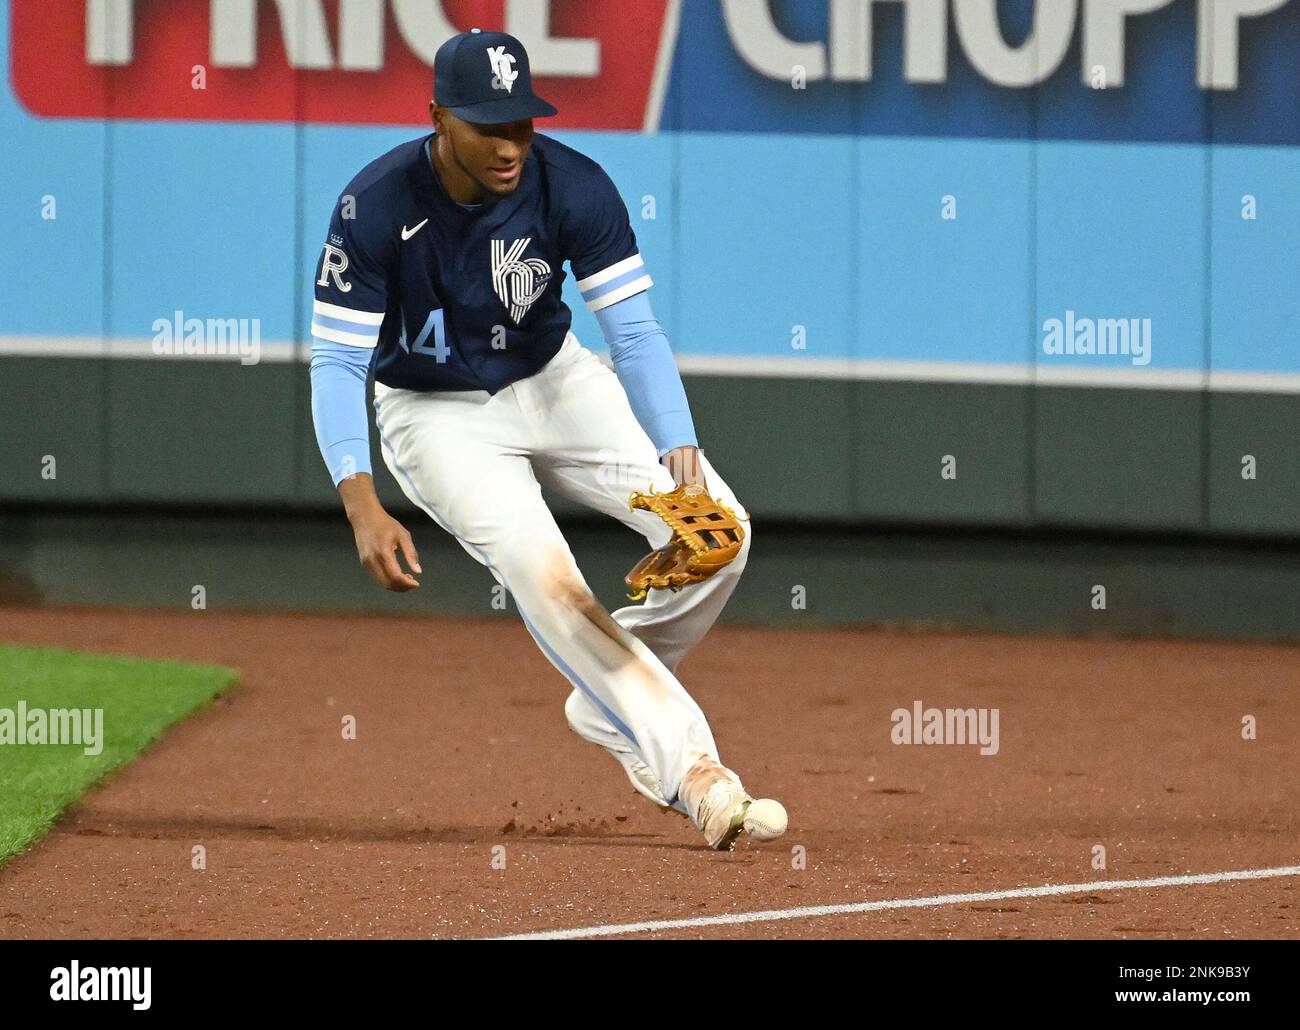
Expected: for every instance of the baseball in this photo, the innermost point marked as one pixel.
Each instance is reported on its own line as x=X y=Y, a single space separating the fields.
x=766 y=819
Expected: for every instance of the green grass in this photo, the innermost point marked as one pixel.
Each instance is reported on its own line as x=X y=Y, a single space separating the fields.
x=139 y=699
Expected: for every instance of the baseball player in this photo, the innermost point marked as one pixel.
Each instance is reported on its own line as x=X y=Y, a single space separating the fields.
x=442 y=275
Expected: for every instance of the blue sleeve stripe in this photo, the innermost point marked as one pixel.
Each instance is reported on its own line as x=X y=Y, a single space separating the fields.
x=596 y=292
x=322 y=307
x=346 y=326
x=620 y=291
x=364 y=340
x=613 y=271
x=616 y=283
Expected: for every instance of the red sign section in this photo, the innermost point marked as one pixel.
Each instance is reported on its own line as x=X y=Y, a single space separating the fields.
x=154 y=60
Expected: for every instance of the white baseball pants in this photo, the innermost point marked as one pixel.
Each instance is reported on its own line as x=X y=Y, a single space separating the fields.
x=473 y=462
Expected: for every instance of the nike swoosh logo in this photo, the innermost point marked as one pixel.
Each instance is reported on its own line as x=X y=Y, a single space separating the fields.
x=408 y=233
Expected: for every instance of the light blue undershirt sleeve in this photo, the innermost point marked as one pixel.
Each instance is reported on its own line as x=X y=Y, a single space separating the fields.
x=338 y=406
x=644 y=364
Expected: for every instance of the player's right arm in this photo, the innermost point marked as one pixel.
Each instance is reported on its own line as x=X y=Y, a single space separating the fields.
x=351 y=296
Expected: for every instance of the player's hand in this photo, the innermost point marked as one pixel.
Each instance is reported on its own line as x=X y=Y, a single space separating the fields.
x=380 y=537
x=684 y=463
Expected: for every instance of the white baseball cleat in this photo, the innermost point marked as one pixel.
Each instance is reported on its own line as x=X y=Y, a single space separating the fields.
x=726 y=810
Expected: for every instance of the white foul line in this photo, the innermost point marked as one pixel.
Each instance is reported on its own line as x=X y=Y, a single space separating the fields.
x=815 y=911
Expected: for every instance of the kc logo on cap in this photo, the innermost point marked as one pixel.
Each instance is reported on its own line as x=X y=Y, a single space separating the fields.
x=484 y=78
x=503 y=72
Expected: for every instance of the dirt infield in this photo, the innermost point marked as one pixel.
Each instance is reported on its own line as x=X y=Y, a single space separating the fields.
x=462 y=746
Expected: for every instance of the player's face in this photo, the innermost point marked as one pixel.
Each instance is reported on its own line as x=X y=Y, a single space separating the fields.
x=492 y=156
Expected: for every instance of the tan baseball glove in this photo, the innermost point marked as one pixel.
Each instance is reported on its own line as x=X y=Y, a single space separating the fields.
x=707 y=536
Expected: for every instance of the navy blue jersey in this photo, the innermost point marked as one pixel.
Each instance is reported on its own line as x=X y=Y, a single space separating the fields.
x=457 y=298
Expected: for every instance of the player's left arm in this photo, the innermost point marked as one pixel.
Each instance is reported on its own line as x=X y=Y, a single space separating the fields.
x=613 y=281
x=644 y=364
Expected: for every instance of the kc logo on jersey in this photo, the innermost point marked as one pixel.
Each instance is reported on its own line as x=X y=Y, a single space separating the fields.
x=518 y=280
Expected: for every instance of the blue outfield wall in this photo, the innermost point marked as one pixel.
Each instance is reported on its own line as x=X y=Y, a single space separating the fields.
x=837 y=226
x=864 y=232
x=844 y=236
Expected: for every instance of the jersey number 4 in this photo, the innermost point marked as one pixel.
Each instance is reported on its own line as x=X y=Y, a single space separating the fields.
x=433 y=325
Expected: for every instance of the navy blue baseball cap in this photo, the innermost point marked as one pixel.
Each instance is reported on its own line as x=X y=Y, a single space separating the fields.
x=484 y=77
